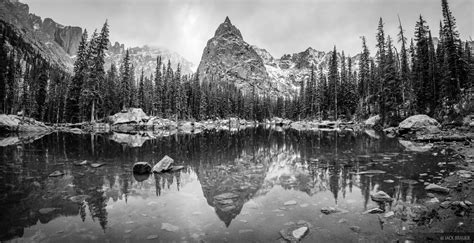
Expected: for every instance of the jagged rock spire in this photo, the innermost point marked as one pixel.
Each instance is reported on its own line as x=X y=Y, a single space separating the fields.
x=228 y=30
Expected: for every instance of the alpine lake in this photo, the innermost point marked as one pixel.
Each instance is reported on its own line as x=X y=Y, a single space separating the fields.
x=250 y=185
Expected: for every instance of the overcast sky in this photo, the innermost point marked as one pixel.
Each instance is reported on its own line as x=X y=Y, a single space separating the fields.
x=276 y=25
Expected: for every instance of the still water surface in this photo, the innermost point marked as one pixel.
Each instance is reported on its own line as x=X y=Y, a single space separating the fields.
x=240 y=186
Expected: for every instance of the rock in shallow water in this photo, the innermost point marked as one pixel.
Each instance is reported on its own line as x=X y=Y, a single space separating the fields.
x=331 y=210
x=141 y=168
x=436 y=188
x=56 y=173
x=294 y=233
x=169 y=227
x=355 y=229
x=374 y=211
x=163 y=165
x=289 y=203
x=381 y=196
x=299 y=233
x=152 y=237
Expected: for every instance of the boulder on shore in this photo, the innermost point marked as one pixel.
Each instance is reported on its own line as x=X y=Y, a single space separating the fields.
x=132 y=115
x=14 y=123
x=372 y=121
x=419 y=123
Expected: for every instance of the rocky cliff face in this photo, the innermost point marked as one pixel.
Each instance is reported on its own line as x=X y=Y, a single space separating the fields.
x=228 y=58
x=54 y=42
x=145 y=58
x=289 y=70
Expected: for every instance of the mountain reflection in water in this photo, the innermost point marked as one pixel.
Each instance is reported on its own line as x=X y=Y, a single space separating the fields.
x=253 y=170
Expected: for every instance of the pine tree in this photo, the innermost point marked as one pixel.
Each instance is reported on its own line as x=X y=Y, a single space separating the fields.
x=125 y=89
x=111 y=91
x=133 y=87
x=89 y=86
x=90 y=93
x=3 y=74
x=364 y=78
x=451 y=83
x=41 y=93
x=391 y=93
x=141 y=91
x=420 y=70
x=322 y=90
x=407 y=89
x=158 y=101
x=333 y=82
x=302 y=99
x=380 y=67
x=80 y=72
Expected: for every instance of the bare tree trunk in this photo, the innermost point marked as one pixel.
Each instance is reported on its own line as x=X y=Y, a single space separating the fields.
x=92 y=111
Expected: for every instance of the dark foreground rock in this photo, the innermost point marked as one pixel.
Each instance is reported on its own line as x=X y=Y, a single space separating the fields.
x=142 y=168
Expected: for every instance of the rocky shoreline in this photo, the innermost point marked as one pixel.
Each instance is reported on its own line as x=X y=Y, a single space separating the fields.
x=134 y=120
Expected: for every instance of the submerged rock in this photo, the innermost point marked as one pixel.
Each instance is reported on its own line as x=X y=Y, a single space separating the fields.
x=152 y=237
x=56 y=174
x=142 y=168
x=436 y=188
x=81 y=163
x=163 y=165
x=289 y=203
x=169 y=227
x=331 y=210
x=96 y=165
x=374 y=211
x=355 y=229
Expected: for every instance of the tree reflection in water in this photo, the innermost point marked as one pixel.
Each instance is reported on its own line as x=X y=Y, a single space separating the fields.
x=241 y=165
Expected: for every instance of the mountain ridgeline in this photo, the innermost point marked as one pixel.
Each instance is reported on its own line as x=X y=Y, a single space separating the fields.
x=59 y=73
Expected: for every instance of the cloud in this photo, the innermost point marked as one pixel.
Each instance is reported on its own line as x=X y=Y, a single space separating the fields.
x=279 y=26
